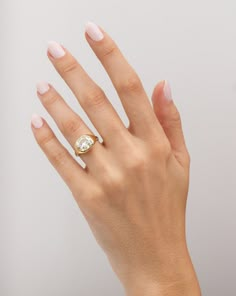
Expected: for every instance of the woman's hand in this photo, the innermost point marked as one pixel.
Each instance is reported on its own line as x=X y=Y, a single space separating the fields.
x=134 y=186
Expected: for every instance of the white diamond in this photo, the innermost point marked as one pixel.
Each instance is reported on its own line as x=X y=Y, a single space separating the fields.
x=84 y=143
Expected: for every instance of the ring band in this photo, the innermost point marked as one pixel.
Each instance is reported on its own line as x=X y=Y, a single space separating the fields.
x=84 y=143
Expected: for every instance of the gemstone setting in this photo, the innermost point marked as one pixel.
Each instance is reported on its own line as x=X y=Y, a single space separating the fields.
x=84 y=143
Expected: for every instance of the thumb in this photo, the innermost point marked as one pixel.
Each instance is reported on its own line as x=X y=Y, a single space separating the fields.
x=169 y=117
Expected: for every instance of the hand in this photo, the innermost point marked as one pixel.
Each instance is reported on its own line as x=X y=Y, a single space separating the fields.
x=134 y=186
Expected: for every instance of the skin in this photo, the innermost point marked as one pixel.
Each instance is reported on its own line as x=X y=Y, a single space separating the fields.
x=133 y=189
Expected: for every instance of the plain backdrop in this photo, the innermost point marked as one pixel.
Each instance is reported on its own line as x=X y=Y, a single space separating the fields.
x=46 y=246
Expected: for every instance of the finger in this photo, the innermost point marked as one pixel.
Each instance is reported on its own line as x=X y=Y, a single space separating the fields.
x=71 y=172
x=91 y=97
x=169 y=117
x=125 y=80
x=70 y=124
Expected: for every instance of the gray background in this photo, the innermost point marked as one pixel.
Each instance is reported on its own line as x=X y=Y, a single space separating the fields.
x=46 y=245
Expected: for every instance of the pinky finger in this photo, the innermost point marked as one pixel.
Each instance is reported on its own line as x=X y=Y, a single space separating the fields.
x=67 y=167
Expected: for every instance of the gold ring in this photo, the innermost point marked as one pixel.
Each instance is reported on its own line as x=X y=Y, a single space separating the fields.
x=84 y=143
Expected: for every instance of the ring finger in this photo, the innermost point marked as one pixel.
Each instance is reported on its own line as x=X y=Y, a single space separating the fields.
x=70 y=124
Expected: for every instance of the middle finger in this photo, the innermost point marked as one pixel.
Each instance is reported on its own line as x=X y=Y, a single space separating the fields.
x=90 y=96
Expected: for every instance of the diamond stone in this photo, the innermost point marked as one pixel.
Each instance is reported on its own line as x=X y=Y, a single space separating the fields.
x=84 y=143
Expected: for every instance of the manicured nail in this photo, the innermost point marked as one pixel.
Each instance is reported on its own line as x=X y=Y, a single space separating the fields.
x=36 y=120
x=167 y=91
x=93 y=31
x=55 y=49
x=42 y=87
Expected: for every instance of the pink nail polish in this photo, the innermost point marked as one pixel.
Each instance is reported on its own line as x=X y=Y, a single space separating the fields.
x=167 y=91
x=36 y=120
x=55 y=49
x=93 y=31
x=42 y=87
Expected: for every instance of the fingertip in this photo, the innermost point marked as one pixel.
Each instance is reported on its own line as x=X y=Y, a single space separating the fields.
x=158 y=90
x=93 y=31
x=36 y=121
x=167 y=90
x=42 y=87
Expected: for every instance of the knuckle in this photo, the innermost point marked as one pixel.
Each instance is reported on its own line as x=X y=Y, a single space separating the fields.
x=68 y=67
x=174 y=119
x=165 y=149
x=95 y=98
x=117 y=182
x=175 y=114
x=138 y=161
x=49 y=100
x=161 y=149
x=71 y=126
x=113 y=180
x=59 y=157
x=45 y=139
x=91 y=202
x=109 y=50
x=130 y=84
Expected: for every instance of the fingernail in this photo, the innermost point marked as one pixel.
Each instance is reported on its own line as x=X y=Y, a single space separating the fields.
x=55 y=49
x=42 y=87
x=167 y=91
x=36 y=120
x=93 y=31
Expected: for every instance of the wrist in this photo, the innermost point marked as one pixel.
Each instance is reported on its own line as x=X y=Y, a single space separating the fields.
x=175 y=277
x=184 y=287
